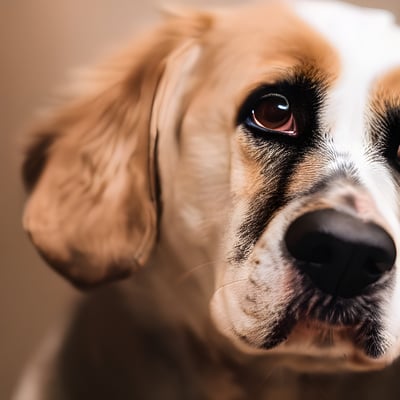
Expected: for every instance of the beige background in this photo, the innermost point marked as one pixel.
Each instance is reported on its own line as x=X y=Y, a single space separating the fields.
x=40 y=41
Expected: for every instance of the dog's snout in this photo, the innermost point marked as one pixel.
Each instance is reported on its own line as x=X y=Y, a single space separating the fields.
x=340 y=253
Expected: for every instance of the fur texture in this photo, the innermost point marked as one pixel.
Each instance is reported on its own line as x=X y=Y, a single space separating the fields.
x=160 y=168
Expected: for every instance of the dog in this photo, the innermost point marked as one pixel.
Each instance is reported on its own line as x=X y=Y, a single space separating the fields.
x=242 y=166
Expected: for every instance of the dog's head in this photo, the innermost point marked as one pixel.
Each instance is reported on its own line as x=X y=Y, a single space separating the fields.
x=265 y=139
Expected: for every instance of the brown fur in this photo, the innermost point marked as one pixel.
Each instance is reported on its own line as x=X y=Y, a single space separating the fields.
x=90 y=169
x=385 y=91
x=139 y=171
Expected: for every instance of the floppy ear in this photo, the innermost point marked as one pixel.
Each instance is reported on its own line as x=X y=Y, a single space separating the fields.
x=92 y=210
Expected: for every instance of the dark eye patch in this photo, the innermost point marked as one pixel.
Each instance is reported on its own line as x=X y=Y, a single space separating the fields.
x=277 y=154
x=388 y=123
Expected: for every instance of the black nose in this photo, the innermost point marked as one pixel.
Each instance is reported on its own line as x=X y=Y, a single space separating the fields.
x=340 y=253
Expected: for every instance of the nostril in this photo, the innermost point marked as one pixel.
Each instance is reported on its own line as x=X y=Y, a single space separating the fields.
x=340 y=253
x=374 y=269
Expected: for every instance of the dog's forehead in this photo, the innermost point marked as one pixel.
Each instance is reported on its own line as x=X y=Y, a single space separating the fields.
x=360 y=35
x=258 y=45
x=354 y=48
x=366 y=42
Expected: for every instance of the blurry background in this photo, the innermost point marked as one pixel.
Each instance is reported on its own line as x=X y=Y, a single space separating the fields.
x=40 y=42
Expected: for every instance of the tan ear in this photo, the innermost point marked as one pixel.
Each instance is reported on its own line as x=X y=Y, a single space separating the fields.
x=92 y=210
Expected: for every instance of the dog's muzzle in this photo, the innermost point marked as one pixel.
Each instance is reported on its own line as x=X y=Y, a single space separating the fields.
x=340 y=253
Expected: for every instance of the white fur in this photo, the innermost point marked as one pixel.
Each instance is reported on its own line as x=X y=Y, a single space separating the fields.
x=364 y=57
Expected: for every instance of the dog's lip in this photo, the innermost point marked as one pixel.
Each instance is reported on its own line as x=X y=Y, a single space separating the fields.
x=302 y=350
x=313 y=333
x=318 y=340
x=323 y=334
x=312 y=324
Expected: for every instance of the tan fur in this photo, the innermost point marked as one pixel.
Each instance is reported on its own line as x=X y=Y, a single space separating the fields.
x=92 y=211
x=386 y=90
x=148 y=168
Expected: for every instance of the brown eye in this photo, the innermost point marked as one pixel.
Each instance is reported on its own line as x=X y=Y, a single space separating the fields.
x=273 y=112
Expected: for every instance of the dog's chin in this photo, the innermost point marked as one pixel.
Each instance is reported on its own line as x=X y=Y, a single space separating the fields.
x=340 y=335
x=315 y=347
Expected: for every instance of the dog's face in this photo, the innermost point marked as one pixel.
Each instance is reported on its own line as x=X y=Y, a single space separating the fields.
x=276 y=132
x=311 y=247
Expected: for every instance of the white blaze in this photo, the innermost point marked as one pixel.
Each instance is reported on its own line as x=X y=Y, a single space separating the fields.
x=368 y=45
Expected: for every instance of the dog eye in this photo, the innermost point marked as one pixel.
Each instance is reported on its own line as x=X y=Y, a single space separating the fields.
x=273 y=112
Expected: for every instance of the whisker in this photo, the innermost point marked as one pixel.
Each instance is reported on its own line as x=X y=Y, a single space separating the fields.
x=230 y=283
x=187 y=274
